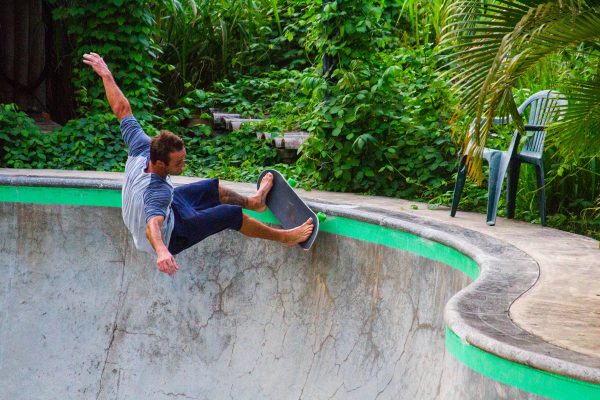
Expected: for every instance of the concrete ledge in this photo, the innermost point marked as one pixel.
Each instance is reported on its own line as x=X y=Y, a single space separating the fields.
x=478 y=315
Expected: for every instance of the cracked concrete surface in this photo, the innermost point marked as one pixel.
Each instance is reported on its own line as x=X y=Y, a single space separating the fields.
x=84 y=316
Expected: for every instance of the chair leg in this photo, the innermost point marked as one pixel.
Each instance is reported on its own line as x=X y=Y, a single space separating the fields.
x=460 y=183
x=539 y=172
x=494 y=188
x=495 y=180
x=512 y=185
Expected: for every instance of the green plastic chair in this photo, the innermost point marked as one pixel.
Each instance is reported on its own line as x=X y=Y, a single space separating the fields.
x=543 y=108
x=498 y=161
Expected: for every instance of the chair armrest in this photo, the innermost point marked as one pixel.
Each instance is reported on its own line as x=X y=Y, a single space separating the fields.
x=535 y=128
x=502 y=120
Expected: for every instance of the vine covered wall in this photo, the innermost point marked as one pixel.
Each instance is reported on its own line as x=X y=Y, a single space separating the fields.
x=121 y=31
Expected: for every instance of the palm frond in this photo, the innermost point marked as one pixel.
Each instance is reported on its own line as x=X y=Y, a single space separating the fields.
x=491 y=44
x=576 y=135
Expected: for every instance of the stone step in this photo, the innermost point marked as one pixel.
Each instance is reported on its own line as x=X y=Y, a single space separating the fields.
x=219 y=117
x=235 y=124
x=263 y=135
x=291 y=140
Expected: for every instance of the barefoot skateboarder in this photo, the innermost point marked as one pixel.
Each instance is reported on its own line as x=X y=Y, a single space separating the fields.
x=166 y=220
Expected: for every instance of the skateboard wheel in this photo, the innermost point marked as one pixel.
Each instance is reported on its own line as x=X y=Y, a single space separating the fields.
x=321 y=216
x=292 y=182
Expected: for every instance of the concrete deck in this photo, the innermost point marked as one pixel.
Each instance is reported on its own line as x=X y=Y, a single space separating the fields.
x=561 y=309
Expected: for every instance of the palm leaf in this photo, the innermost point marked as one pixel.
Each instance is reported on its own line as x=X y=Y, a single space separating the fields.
x=492 y=44
x=576 y=135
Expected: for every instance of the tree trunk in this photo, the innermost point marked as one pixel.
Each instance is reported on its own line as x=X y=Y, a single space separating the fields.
x=37 y=57
x=60 y=96
x=7 y=50
x=21 y=51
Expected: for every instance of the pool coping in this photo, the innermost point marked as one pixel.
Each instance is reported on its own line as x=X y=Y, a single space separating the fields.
x=478 y=315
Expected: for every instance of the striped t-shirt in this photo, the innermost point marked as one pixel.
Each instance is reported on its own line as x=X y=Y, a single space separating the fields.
x=144 y=195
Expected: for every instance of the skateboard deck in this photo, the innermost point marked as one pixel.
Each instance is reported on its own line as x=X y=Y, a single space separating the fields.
x=288 y=207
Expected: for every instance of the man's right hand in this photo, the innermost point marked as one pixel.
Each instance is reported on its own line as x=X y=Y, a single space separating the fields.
x=118 y=102
x=166 y=263
x=97 y=63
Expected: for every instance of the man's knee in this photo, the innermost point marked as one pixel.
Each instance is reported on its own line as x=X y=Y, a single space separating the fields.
x=231 y=215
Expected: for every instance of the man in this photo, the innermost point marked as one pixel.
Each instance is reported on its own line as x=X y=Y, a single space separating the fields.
x=165 y=220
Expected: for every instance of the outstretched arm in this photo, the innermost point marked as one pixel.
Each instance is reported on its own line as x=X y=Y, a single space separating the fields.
x=164 y=261
x=118 y=102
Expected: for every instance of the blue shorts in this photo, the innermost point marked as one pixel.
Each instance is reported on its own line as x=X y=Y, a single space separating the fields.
x=199 y=213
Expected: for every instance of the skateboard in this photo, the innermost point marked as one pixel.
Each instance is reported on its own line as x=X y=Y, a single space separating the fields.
x=288 y=207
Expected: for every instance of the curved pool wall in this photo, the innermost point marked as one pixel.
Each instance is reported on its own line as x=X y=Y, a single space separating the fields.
x=84 y=315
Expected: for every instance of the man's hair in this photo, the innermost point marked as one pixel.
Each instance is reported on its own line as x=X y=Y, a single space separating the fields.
x=164 y=144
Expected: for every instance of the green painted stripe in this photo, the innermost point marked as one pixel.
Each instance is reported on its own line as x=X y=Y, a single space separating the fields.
x=56 y=195
x=526 y=378
x=392 y=238
x=401 y=240
x=267 y=217
x=505 y=371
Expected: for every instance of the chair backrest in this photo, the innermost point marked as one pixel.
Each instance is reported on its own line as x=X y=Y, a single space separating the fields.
x=544 y=107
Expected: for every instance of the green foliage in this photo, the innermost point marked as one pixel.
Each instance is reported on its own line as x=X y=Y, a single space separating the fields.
x=422 y=21
x=122 y=33
x=236 y=156
x=384 y=129
x=379 y=119
x=351 y=30
x=17 y=127
x=92 y=143
x=276 y=93
x=492 y=45
x=204 y=41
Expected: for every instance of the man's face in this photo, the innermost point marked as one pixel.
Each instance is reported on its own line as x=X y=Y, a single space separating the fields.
x=176 y=162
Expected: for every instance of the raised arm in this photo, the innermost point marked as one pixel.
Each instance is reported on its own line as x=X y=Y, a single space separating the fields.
x=118 y=102
x=164 y=261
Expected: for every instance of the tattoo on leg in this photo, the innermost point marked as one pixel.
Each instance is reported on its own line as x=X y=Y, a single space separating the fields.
x=228 y=196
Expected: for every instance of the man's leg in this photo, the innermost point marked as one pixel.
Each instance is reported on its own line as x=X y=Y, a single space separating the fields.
x=254 y=228
x=257 y=202
x=290 y=237
x=198 y=215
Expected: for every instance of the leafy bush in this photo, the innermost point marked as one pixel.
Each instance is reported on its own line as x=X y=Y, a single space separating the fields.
x=204 y=42
x=274 y=93
x=15 y=128
x=95 y=143
x=384 y=129
x=121 y=32
x=92 y=143
x=236 y=156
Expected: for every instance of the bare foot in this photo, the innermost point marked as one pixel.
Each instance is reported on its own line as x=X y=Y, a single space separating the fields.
x=258 y=201
x=298 y=234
